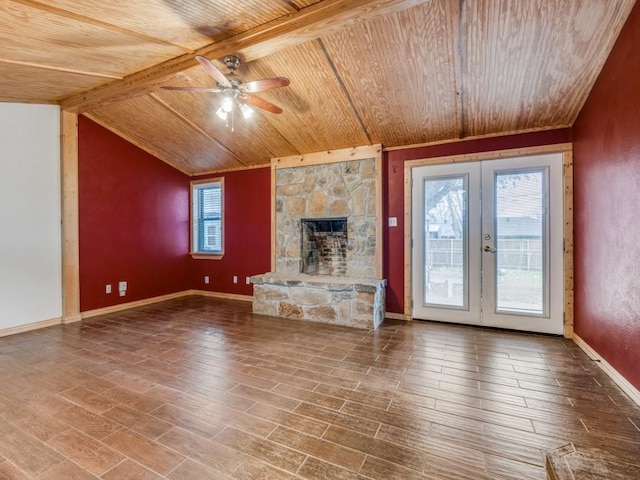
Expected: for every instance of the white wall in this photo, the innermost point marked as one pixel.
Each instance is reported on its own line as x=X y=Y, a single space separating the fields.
x=30 y=214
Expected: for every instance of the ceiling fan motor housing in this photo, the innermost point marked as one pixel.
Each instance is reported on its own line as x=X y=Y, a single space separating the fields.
x=231 y=62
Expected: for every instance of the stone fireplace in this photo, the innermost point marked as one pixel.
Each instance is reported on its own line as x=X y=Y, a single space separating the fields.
x=326 y=240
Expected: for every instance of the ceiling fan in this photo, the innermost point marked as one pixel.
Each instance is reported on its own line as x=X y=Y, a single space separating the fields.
x=234 y=91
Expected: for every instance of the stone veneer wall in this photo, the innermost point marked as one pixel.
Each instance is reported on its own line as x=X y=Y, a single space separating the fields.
x=341 y=189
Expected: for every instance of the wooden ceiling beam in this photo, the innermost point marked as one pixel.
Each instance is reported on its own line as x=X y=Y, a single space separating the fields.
x=307 y=24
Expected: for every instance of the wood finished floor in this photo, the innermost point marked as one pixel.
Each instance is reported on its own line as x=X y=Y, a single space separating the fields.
x=198 y=388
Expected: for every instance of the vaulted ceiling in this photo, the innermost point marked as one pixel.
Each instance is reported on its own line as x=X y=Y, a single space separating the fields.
x=395 y=72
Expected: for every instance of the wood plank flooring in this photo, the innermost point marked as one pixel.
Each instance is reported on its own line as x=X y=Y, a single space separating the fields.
x=199 y=388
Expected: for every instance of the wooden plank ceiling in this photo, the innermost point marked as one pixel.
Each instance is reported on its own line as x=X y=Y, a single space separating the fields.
x=396 y=72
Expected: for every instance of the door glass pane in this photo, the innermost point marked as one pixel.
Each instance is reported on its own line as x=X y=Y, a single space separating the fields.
x=520 y=241
x=445 y=233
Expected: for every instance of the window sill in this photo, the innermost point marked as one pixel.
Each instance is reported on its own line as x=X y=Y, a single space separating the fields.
x=206 y=256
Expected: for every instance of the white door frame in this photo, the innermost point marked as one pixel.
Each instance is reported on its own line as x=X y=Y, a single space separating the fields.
x=566 y=150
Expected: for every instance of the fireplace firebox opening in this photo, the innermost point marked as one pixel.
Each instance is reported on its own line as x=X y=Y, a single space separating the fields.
x=323 y=246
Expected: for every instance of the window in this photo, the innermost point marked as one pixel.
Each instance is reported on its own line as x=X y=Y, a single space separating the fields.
x=207 y=233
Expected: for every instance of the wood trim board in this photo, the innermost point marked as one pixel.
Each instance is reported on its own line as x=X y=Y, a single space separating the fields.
x=568 y=244
x=27 y=327
x=70 y=217
x=163 y=298
x=330 y=156
x=223 y=296
x=379 y=217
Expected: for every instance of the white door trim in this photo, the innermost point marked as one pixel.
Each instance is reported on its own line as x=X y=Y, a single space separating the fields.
x=566 y=149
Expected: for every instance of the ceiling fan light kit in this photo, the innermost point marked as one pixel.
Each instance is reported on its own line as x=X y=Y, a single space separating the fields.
x=222 y=115
x=227 y=104
x=236 y=93
x=247 y=111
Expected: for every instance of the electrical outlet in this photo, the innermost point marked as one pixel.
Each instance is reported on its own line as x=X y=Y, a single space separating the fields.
x=122 y=285
x=235 y=279
x=122 y=292
x=107 y=288
x=248 y=281
x=206 y=279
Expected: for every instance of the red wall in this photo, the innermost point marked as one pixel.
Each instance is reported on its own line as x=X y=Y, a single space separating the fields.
x=247 y=225
x=394 y=193
x=607 y=213
x=134 y=216
x=119 y=182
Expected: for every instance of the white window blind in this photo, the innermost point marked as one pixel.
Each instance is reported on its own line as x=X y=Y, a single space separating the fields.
x=206 y=210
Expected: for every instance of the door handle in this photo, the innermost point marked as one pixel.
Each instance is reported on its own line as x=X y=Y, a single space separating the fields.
x=488 y=249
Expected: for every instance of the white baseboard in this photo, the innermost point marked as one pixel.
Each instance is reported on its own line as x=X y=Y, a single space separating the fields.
x=27 y=327
x=622 y=382
x=397 y=316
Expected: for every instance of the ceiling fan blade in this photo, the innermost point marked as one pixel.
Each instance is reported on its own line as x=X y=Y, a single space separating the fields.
x=213 y=71
x=260 y=103
x=262 y=85
x=194 y=89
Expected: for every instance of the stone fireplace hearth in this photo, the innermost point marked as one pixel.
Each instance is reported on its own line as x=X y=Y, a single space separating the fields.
x=339 y=300
x=322 y=270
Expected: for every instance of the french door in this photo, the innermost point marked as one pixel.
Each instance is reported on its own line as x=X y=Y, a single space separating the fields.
x=488 y=244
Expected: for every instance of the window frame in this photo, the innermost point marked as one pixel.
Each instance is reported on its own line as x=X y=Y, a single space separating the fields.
x=195 y=219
